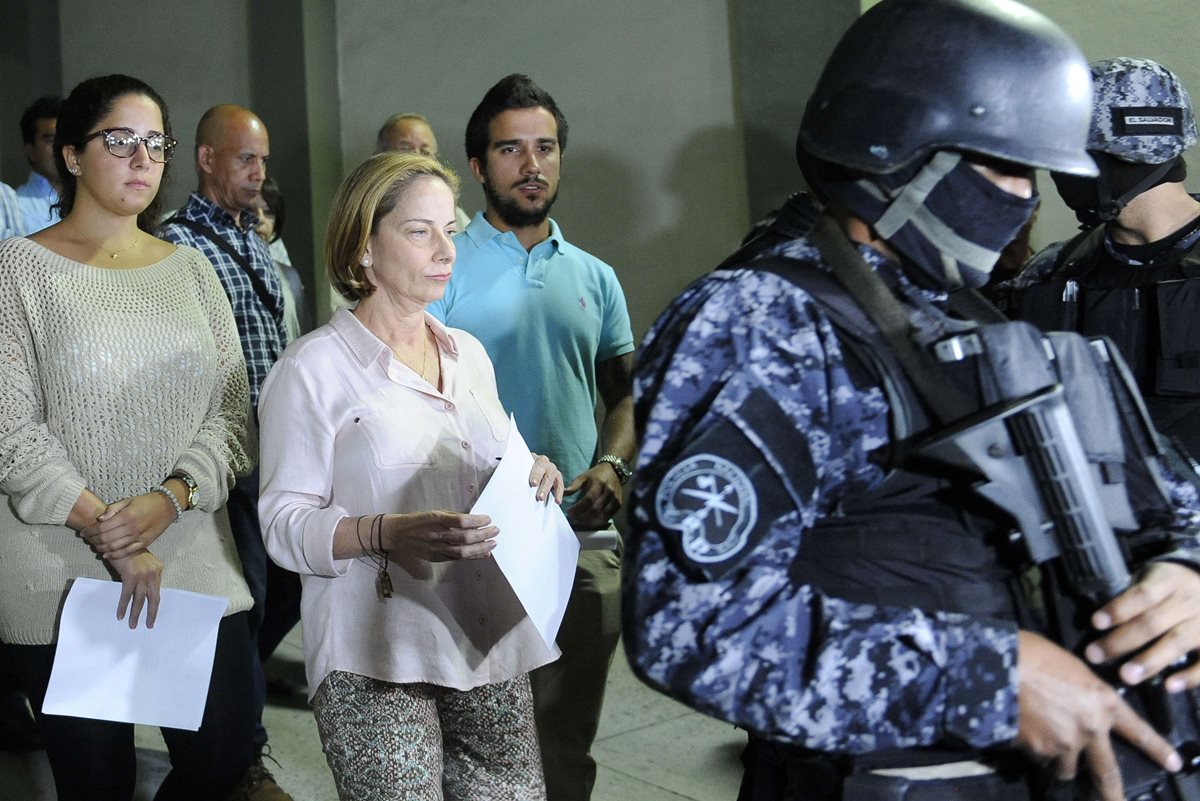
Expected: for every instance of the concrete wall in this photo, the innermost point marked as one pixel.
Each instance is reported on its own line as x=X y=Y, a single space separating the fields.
x=781 y=46
x=653 y=175
x=293 y=73
x=194 y=54
x=683 y=112
x=1165 y=30
x=31 y=63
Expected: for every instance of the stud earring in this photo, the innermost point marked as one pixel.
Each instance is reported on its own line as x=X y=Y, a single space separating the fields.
x=73 y=170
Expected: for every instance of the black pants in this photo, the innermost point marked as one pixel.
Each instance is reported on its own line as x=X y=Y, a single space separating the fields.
x=775 y=772
x=276 y=592
x=95 y=760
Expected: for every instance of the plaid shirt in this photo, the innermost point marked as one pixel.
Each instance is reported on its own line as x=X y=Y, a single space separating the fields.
x=261 y=329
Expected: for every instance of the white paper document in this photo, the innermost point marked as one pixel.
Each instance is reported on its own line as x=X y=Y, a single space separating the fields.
x=106 y=671
x=536 y=548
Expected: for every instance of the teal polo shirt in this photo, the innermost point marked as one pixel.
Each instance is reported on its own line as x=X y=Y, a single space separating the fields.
x=545 y=318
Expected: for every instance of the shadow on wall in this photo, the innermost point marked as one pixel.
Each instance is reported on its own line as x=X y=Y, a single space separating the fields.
x=771 y=171
x=705 y=218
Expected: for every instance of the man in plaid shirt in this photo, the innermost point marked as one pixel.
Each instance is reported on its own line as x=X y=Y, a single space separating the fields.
x=218 y=219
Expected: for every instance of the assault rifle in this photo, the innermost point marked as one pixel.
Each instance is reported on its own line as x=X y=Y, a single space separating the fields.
x=1033 y=465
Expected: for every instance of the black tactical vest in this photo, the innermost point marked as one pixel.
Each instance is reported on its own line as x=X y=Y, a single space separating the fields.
x=1151 y=313
x=924 y=537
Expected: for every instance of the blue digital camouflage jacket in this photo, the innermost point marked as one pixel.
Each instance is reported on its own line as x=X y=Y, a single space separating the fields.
x=712 y=617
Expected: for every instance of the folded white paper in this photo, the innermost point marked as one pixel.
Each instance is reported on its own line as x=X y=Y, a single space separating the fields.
x=107 y=671
x=536 y=548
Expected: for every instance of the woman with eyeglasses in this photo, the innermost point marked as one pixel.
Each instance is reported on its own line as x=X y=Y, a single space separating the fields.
x=123 y=419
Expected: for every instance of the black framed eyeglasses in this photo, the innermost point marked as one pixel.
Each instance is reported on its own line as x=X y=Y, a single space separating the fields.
x=123 y=143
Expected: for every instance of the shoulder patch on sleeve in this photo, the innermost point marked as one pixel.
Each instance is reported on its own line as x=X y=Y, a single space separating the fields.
x=711 y=501
x=731 y=484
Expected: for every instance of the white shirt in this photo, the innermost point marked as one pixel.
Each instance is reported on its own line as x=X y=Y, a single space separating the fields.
x=349 y=430
x=37 y=198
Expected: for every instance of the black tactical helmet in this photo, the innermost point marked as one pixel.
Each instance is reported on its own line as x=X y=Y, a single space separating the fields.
x=991 y=77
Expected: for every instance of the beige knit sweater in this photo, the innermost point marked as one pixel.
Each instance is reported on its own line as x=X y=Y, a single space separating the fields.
x=111 y=379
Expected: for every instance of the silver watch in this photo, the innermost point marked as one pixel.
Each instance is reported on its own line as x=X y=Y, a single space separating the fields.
x=193 y=491
x=620 y=466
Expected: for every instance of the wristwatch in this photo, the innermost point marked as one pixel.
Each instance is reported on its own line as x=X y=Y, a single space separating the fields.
x=620 y=466
x=193 y=489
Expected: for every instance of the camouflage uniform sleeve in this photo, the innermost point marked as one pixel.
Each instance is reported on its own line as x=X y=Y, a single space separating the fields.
x=1037 y=269
x=1183 y=530
x=752 y=429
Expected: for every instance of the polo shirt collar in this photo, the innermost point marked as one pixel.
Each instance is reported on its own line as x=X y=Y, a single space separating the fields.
x=480 y=232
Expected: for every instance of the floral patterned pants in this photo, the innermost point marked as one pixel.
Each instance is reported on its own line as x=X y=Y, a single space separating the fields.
x=413 y=742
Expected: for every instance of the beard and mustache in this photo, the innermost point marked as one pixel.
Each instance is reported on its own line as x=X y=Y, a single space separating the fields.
x=510 y=210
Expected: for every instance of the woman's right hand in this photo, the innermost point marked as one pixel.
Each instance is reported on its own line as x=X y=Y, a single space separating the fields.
x=141 y=576
x=439 y=536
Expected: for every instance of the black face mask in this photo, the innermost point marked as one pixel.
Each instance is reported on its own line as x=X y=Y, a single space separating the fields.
x=963 y=226
x=946 y=218
x=1098 y=200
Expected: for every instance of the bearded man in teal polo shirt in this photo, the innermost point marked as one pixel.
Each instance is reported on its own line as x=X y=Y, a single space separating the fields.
x=554 y=322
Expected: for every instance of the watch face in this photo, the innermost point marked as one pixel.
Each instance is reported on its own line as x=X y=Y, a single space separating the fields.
x=191 y=485
x=624 y=473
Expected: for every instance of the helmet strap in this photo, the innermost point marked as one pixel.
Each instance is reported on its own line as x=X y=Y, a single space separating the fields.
x=912 y=197
x=1108 y=208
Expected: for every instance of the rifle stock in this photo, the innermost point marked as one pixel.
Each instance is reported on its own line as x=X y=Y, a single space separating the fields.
x=1030 y=462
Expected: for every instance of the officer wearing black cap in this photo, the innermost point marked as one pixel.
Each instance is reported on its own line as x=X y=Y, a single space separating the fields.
x=853 y=470
x=1133 y=275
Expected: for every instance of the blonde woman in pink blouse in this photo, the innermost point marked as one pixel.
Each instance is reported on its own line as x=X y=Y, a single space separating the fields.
x=379 y=430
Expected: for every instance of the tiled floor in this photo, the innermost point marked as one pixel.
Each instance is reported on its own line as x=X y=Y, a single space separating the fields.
x=649 y=748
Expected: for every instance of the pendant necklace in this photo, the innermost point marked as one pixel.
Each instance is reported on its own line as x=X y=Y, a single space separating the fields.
x=112 y=254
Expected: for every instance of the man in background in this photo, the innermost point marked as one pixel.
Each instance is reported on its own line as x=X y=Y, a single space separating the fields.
x=38 y=194
x=219 y=220
x=410 y=133
x=10 y=212
x=1131 y=274
x=554 y=322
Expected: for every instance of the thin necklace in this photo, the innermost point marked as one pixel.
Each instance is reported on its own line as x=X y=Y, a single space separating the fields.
x=424 y=349
x=437 y=365
x=112 y=254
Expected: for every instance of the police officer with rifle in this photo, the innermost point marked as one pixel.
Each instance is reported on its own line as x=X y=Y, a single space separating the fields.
x=918 y=552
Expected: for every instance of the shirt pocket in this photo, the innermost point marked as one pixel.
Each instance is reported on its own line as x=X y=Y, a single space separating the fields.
x=403 y=437
x=493 y=414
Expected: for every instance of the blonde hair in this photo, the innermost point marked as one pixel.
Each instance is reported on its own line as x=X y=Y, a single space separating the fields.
x=369 y=194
